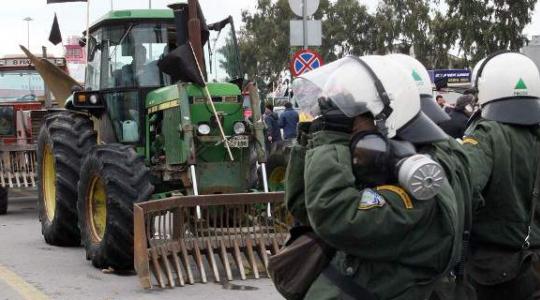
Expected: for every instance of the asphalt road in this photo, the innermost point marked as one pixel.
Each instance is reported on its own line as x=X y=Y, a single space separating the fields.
x=31 y=269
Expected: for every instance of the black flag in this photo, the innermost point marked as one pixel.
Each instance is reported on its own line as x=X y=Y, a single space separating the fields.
x=218 y=26
x=56 y=36
x=62 y=1
x=181 y=65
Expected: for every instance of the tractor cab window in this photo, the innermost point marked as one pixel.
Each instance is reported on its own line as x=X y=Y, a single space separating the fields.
x=123 y=109
x=222 y=54
x=7 y=121
x=23 y=86
x=126 y=56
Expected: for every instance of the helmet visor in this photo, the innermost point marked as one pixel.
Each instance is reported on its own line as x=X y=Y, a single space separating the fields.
x=432 y=109
x=345 y=82
x=421 y=130
x=519 y=111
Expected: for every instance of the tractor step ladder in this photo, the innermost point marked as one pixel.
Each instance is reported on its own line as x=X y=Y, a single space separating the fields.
x=232 y=240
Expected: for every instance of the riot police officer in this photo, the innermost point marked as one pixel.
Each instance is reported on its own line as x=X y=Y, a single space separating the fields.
x=353 y=183
x=452 y=157
x=503 y=144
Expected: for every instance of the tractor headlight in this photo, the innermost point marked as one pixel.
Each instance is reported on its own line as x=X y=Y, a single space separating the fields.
x=94 y=99
x=203 y=129
x=89 y=100
x=239 y=128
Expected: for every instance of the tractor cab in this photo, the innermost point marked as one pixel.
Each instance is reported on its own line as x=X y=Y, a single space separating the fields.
x=22 y=90
x=124 y=50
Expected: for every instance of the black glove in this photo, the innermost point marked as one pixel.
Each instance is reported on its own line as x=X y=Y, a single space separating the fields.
x=303 y=133
x=332 y=118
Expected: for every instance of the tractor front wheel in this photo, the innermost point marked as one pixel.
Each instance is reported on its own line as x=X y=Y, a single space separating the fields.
x=3 y=200
x=64 y=138
x=276 y=166
x=113 y=177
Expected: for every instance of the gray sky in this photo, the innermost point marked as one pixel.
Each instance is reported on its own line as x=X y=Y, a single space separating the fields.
x=72 y=18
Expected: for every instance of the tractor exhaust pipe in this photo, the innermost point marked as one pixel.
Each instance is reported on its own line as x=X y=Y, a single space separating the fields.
x=194 y=29
x=181 y=16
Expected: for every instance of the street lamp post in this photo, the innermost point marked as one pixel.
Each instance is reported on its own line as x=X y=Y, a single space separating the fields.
x=28 y=20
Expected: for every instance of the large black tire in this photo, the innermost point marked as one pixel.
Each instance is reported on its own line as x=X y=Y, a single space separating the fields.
x=125 y=180
x=65 y=137
x=3 y=200
x=276 y=165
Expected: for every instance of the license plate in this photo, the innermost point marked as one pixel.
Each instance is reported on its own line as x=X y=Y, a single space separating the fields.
x=238 y=142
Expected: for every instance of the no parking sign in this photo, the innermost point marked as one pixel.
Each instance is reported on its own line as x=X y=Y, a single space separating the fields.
x=304 y=61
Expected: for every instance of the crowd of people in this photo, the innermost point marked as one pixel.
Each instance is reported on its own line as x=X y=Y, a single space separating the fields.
x=274 y=124
x=413 y=199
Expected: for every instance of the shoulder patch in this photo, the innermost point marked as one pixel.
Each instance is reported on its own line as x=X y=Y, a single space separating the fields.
x=407 y=202
x=371 y=199
x=470 y=140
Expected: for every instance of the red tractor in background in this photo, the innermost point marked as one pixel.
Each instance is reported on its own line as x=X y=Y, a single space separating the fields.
x=24 y=100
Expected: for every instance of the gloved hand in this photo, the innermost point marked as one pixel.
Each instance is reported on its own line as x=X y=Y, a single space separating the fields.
x=303 y=133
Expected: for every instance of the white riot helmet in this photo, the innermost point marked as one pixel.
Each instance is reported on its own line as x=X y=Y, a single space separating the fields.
x=421 y=77
x=374 y=84
x=508 y=87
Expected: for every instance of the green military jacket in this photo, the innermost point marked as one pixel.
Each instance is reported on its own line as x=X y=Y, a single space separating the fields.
x=394 y=246
x=453 y=158
x=503 y=164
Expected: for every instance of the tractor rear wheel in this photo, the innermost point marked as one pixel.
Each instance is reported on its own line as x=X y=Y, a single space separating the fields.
x=64 y=138
x=3 y=200
x=113 y=178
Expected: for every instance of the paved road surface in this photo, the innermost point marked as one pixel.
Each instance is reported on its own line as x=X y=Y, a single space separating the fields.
x=31 y=269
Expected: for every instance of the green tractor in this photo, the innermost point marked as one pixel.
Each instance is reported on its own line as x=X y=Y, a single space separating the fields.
x=137 y=134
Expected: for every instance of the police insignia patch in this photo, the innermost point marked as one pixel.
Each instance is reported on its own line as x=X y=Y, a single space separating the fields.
x=371 y=199
x=470 y=140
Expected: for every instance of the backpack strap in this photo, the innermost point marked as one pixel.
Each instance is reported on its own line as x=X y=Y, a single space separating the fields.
x=534 y=199
x=467 y=228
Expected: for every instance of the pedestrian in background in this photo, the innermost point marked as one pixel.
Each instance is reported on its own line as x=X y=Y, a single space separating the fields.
x=443 y=104
x=288 y=121
x=273 y=132
x=459 y=116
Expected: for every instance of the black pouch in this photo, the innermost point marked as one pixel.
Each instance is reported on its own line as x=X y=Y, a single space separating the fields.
x=489 y=266
x=299 y=263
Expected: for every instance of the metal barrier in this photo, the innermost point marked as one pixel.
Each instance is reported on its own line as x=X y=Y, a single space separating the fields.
x=173 y=246
x=18 y=166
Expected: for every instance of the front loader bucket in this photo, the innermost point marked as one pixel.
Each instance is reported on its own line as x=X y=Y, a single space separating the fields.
x=233 y=238
x=18 y=166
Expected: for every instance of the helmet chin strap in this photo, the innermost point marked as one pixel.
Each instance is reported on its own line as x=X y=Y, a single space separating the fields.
x=380 y=119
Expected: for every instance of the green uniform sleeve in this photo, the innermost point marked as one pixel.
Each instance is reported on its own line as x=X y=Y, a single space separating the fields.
x=294 y=187
x=366 y=223
x=478 y=146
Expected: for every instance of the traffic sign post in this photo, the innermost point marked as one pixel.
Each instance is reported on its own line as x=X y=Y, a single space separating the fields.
x=313 y=31
x=297 y=6
x=304 y=9
x=304 y=61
